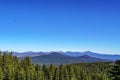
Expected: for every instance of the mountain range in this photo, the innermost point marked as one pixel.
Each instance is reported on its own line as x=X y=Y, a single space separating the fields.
x=66 y=57
x=69 y=53
x=57 y=58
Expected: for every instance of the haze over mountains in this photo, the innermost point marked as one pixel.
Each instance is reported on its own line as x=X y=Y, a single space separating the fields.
x=57 y=58
x=68 y=57
x=69 y=53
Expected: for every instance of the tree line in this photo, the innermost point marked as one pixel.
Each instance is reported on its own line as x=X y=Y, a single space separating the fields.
x=11 y=68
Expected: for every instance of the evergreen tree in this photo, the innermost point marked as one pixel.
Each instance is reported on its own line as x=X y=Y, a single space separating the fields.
x=45 y=72
x=20 y=74
x=114 y=71
x=56 y=75
x=38 y=73
x=66 y=75
x=61 y=72
x=1 y=60
x=29 y=68
x=71 y=73
x=1 y=74
x=51 y=71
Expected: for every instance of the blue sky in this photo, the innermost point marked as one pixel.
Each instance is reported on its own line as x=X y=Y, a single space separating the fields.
x=60 y=25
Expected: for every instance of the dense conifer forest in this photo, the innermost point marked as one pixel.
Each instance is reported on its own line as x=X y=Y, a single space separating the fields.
x=11 y=68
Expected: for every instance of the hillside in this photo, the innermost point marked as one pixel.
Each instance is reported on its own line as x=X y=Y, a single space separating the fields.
x=57 y=58
x=69 y=53
x=14 y=69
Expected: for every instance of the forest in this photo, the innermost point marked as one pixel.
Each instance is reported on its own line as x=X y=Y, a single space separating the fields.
x=11 y=68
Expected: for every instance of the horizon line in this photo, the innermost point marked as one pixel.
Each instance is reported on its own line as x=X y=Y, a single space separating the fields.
x=60 y=51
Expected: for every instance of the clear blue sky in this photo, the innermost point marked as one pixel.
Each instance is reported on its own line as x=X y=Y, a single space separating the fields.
x=60 y=25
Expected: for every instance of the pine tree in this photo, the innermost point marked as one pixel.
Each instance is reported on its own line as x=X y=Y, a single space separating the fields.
x=51 y=71
x=1 y=60
x=5 y=65
x=61 y=72
x=29 y=68
x=56 y=75
x=38 y=73
x=1 y=74
x=71 y=73
x=66 y=75
x=20 y=74
x=45 y=72
x=114 y=72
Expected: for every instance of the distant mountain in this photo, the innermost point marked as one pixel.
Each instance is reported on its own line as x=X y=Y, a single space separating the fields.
x=92 y=54
x=70 y=54
x=57 y=58
x=29 y=53
x=85 y=56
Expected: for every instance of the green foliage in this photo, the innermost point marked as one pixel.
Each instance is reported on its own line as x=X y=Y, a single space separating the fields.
x=114 y=71
x=11 y=68
x=1 y=74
